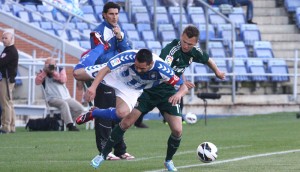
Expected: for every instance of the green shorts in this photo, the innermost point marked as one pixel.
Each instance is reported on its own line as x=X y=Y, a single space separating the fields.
x=158 y=97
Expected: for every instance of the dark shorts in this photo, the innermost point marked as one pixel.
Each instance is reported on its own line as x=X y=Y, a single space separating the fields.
x=148 y=101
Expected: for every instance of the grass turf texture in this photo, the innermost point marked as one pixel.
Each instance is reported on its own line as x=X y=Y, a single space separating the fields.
x=235 y=137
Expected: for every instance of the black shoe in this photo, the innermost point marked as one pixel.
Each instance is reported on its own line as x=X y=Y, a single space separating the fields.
x=141 y=125
x=251 y=22
x=71 y=127
x=3 y=132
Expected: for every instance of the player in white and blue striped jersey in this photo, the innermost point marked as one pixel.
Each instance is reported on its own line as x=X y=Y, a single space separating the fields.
x=129 y=73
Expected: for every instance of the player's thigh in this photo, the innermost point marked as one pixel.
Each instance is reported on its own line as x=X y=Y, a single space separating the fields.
x=146 y=103
x=122 y=108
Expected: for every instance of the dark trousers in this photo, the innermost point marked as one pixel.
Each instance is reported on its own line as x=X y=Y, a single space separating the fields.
x=105 y=98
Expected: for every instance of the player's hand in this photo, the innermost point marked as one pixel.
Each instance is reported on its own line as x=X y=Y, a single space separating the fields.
x=175 y=99
x=117 y=32
x=221 y=75
x=189 y=84
x=90 y=94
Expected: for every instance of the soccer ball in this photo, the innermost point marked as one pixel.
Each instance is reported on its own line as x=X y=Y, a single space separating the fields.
x=190 y=118
x=207 y=152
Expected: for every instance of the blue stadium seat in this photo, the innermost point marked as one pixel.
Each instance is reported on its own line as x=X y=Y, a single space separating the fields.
x=278 y=66
x=237 y=16
x=151 y=3
x=43 y=8
x=176 y=10
x=148 y=35
x=16 y=9
x=249 y=34
x=201 y=69
x=143 y=27
x=97 y=2
x=216 y=50
x=211 y=33
x=224 y=32
x=240 y=50
x=159 y=10
x=256 y=66
x=46 y=25
x=81 y=25
x=139 y=9
x=162 y=18
x=195 y=10
x=128 y=26
x=197 y=18
x=63 y=34
x=23 y=15
x=291 y=5
x=123 y=18
x=141 y=18
x=153 y=45
x=48 y=15
x=75 y=35
x=176 y=19
x=57 y=26
x=168 y=35
x=133 y=35
x=164 y=43
x=138 y=44
x=31 y=7
x=136 y=2
x=35 y=17
x=240 y=70
x=263 y=49
x=85 y=44
x=86 y=33
x=98 y=9
x=163 y=27
x=60 y=17
x=91 y=17
x=36 y=24
x=215 y=19
x=51 y=31
x=87 y=9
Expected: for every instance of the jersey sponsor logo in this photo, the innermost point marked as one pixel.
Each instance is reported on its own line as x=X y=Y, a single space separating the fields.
x=3 y=55
x=169 y=60
x=115 y=62
x=173 y=80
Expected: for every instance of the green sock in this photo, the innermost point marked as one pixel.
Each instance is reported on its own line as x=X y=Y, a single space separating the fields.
x=173 y=144
x=115 y=137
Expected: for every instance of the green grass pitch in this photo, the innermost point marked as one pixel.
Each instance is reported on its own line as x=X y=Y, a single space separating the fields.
x=265 y=143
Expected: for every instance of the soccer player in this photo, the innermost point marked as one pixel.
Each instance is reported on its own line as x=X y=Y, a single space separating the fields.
x=107 y=40
x=179 y=54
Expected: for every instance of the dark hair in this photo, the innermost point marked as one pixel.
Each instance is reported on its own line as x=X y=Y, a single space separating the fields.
x=110 y=5
x=191 y=31
x=144 y=55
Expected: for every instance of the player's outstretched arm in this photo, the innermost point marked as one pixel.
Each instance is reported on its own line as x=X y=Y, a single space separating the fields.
x=214 y=67
x=91 y=91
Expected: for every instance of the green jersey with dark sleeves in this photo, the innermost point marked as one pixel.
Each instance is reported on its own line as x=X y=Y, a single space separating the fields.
x=178 y=60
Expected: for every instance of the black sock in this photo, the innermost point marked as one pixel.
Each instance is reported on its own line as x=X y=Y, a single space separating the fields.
x=173 y=144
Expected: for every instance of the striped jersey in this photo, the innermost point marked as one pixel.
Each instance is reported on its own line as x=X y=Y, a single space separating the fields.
x=122 y=65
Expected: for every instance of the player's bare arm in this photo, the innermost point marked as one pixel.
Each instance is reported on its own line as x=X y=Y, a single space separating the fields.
x=91 y=91
x=213 y=66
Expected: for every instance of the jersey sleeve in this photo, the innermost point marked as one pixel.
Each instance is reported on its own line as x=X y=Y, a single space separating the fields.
x=200 y=56
x=168 y=74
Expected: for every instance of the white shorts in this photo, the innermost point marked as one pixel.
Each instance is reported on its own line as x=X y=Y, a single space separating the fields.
x=126 y=93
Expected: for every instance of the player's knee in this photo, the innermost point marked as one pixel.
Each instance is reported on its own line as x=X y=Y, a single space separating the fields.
x=76 y=74
x=177 y=132
x=126 y=124
x=121 y=113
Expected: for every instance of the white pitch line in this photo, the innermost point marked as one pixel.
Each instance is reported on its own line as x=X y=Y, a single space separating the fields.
x=187 y=152
x=233 y=160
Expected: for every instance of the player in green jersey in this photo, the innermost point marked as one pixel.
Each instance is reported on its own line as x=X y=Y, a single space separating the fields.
x=179 y=54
